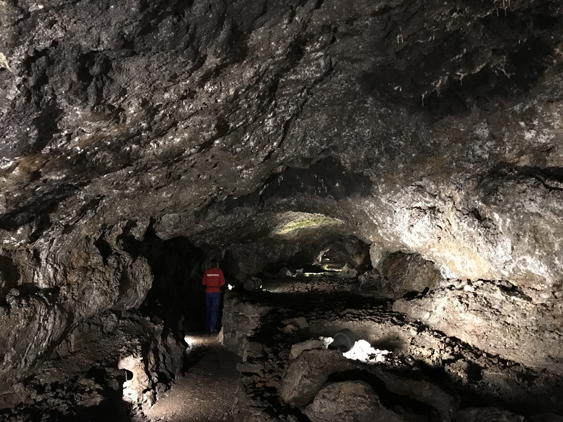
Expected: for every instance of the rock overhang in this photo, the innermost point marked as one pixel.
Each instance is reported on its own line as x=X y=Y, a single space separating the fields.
x=151 y=134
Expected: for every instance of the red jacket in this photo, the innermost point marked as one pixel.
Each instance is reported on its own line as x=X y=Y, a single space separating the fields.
x=213 y=279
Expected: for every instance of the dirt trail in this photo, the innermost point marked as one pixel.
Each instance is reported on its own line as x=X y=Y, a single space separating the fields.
x=207 y=391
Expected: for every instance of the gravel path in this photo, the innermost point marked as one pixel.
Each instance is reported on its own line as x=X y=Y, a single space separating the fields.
x=207 y=391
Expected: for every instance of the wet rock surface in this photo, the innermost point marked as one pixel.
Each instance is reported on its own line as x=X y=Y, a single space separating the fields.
x=188 y=115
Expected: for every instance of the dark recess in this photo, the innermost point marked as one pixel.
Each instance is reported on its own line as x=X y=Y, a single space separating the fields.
x=177 y=295
x=9 y=274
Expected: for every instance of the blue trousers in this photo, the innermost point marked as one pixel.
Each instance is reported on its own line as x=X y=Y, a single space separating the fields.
x=212 y=303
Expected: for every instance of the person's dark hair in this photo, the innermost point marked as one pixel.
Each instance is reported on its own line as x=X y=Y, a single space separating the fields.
x=214 y=263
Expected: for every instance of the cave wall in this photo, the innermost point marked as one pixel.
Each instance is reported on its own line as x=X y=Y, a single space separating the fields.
x=61 y=285
x=497 y=318
x=417 y=126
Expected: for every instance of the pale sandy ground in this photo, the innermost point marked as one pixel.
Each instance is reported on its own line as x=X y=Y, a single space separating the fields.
x=207 y=391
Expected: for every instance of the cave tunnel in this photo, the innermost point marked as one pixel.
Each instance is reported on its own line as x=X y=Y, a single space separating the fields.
x=379 y=182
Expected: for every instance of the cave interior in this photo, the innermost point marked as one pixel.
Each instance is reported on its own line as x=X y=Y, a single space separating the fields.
x=381 y=183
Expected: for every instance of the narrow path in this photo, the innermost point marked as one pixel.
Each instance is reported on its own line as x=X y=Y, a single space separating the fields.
x=207 y=391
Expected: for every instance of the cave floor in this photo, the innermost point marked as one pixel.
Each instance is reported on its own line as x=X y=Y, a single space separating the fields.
x=276 y=320
x=206 y=392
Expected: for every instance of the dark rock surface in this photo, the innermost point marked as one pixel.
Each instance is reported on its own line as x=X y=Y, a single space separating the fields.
x=197 y=115
x=402 y=274
x=68 y=283
x=424 y=391
x=241 y=320
x=546 y=417
x=306 y=375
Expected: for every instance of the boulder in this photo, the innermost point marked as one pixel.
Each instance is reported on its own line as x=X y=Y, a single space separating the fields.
x=307 y=374
x=135 y=282
x=404 y=273
x=422 y=391
x=487 y=414
x=348 y=272
x=240 y=320
x=296 y=324
x=299 y=348
x=248 y=285
x=349 y=401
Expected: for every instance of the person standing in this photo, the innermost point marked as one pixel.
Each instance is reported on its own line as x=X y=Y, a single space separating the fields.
x=213 y=279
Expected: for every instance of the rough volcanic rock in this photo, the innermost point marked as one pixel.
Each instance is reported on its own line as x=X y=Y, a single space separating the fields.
x=423 y=391
x=82 y=381
x=405 y=273
x=326 y=283
x=66 y=285
x=29 y=326
x=424 y=377
x=240 y=321
x=352 y=401
x=298 y=348
x=135 y=111
x=497 y=318
x=299 y=242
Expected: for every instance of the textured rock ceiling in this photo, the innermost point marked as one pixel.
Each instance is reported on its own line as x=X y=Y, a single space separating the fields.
x=427 y=127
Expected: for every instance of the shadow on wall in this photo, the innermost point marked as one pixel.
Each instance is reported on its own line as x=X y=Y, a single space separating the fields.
x=176 y=296
x=9 y=276
x=112 y=408
x=387 y=398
